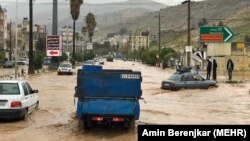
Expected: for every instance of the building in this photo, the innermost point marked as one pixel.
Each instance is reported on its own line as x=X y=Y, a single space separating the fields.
x=39 y=31
x=139 y=42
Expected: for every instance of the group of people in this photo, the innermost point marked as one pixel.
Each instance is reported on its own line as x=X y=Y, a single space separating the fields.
x=213 y=66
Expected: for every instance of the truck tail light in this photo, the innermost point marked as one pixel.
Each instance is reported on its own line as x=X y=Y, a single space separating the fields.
x=118 y=119
x=97 y=118
x=16 y=104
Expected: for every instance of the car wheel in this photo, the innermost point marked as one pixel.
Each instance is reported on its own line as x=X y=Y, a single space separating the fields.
x=24 y=117
x=211 y=86
x=37 y=105
x=58 y=73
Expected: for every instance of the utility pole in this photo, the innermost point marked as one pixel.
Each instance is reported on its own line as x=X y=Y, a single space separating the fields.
x=10 y=51
x=16 y=69
x=31 y=65
x=54 y=25
x=54 y=18
x=188 y=39
x=159 y=44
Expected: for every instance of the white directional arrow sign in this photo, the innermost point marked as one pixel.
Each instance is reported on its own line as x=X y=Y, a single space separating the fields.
x=230 y=34
x=215 y=34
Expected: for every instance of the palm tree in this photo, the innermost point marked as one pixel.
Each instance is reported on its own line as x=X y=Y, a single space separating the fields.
x=84 y=30
x=91 y=24
x=74 y=11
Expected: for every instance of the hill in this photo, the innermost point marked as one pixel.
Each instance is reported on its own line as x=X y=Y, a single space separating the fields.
x=233 y=13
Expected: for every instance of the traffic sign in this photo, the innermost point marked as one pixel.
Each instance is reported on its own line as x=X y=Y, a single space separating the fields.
x=215 y=34
x=90 y=46
x=53 y=45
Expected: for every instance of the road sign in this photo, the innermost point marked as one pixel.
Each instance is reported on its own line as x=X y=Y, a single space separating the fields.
x=90 y=46
x=53 y=45
x=53 y=52
x=215 y=34
x=188 y=48
x=240 y=45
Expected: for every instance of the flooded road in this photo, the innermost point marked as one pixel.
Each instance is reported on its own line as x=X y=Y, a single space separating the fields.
x=55 y=119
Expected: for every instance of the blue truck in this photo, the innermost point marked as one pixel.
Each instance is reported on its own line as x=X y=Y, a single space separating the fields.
x=107 y=96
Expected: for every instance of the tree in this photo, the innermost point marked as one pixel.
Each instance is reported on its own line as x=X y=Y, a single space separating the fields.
x=145 y=33
x=220 y=23
x=203 y=22
x=247 y=38
x=84 y=30
x=123 y=31
x=74 y=11
x=91 y=24
x=40 y=44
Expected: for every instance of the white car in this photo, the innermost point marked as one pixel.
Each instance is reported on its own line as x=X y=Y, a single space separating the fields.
x=17 y=99
x=65 y=68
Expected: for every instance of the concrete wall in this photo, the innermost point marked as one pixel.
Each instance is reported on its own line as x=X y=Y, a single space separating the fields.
x=218 y=49
x=240 y=63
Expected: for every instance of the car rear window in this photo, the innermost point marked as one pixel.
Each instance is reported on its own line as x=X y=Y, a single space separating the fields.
x=66 y=65
x=175 y=77
x=9 y=89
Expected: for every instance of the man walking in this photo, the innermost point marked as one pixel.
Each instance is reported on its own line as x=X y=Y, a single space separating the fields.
x=230 y=68
x=209 y=67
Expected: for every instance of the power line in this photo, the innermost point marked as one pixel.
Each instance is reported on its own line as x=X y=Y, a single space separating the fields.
x=96 y=4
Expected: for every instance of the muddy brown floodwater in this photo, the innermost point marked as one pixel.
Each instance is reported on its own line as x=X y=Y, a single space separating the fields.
x=55 y=119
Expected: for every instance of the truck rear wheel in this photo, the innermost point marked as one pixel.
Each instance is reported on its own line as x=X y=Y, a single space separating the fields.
x=82 y=124
x=130 y=124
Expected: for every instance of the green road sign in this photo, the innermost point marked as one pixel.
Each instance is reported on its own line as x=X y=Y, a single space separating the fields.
x=215 y=34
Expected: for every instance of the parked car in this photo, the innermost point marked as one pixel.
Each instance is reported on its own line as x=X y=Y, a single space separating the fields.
x=9 y=64
x=89 y=62
x=65 y=68
x=17 y=99
x=109 y=58
x=26 y=61
x=184 y=78
x=101 y=62
x=22 y=63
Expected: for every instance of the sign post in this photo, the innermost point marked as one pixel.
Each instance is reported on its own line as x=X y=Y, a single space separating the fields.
x=89 y=46
x=216 y=34
x=53 y=45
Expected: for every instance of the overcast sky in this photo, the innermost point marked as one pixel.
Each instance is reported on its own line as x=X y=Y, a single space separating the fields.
x=167 y=2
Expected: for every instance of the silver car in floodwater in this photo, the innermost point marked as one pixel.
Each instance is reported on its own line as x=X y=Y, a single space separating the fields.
x=186 y=79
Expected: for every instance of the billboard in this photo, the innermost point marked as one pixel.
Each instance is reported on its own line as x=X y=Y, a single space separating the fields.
x=53 y=45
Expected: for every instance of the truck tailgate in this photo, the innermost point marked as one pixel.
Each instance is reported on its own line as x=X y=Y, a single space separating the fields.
x=108 y=107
